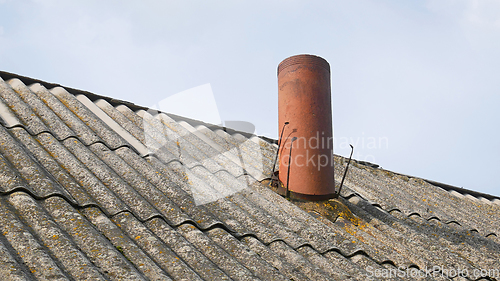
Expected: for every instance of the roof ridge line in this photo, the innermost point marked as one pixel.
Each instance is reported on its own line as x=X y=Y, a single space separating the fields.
x=28 y=81
x=444 y=186
x=115 y=102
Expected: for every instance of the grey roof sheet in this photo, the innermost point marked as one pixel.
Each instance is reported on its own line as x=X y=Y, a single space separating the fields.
x=81 y=198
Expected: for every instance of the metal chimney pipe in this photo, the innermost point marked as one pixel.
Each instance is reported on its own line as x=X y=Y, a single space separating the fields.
x=305 y=102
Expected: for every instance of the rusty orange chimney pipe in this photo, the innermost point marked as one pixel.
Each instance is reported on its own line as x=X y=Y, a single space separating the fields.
x=305 y=102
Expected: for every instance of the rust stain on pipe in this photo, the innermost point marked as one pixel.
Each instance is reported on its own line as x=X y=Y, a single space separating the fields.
x=305 y=102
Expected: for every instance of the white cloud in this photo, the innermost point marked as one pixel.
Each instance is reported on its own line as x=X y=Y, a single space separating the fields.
x=477 y=20
x=484 y=13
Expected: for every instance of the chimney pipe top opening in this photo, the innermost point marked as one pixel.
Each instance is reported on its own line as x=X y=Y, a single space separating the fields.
x=304 y=60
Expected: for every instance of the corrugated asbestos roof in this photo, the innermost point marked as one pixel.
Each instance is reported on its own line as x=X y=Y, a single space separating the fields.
x=84 y=198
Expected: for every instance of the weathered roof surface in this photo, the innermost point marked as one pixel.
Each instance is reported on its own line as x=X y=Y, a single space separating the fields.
x=84 y=197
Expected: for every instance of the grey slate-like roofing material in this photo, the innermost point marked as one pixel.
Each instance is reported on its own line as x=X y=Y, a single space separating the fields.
x=82 y=198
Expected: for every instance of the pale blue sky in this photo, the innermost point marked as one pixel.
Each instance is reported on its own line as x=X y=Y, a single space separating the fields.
x=422 y=75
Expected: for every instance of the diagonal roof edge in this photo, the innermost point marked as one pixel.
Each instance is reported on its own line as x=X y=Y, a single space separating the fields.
x=447 y=187
x=27 y=80
x=93 y=97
